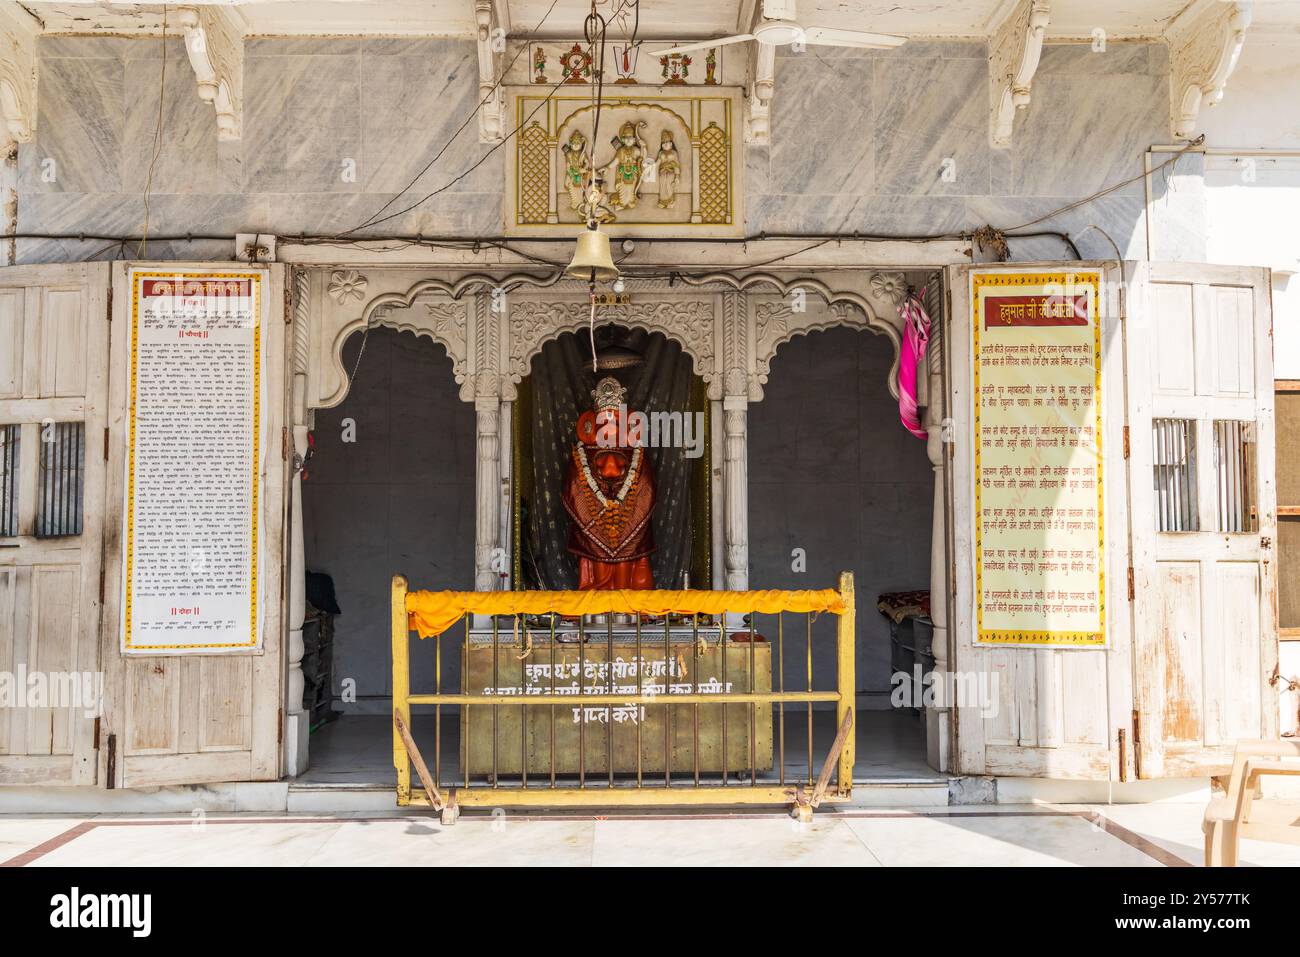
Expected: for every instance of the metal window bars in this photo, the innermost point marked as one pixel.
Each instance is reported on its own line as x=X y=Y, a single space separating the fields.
x=1173 y=444
x=9 y=435
x=664 y=736
x=62 y=472
x=1234 y=465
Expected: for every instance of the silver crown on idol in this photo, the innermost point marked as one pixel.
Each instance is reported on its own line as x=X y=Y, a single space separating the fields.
x=608 y=394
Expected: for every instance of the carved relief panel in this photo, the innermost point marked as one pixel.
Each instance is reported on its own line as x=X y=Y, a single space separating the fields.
x=669 y=163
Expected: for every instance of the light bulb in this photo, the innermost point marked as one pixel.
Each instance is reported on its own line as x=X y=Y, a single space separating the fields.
x=619 y=285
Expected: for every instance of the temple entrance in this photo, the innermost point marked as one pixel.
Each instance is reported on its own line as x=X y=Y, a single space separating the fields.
x=390 y=485
x=836 y=483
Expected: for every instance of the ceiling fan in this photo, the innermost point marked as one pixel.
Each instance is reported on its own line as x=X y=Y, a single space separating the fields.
x=778 y=28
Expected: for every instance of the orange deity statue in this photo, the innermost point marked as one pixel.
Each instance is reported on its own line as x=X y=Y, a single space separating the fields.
x=609 y=495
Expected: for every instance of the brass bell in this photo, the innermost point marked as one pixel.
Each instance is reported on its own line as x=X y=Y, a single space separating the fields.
x=592 y=261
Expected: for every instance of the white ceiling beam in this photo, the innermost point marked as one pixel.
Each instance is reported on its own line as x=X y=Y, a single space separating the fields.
x=214 y=43
x=17 y=75
x=1015 y=47
x=1204 y=44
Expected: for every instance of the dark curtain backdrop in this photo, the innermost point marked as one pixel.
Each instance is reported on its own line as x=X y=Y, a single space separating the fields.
x=561 y=382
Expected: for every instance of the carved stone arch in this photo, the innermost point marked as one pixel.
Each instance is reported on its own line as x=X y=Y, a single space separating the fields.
x=776 y=323
x=689 y=320
x=448 y=312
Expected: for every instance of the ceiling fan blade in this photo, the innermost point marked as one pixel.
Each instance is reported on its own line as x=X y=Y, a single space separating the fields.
x=703 y=45
x=825 y=36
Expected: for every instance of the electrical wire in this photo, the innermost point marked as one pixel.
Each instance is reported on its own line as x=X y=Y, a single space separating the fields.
x=524 y=47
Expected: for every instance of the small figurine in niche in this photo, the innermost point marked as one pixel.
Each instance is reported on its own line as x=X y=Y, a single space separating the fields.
x=627 y=167
x=669 y=169
x=577 y=166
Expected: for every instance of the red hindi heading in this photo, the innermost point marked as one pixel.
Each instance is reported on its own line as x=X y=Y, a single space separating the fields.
x=1035 y=311
x=192 y=287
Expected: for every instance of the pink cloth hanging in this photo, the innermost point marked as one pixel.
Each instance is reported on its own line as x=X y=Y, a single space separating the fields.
x=916 y=336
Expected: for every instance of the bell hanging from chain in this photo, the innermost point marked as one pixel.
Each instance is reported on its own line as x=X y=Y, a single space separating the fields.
x=592 y=261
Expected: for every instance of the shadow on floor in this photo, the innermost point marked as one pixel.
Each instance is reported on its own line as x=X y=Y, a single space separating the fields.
x=357 y=749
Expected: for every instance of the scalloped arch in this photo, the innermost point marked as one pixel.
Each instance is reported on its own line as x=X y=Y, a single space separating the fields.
x=838 y=317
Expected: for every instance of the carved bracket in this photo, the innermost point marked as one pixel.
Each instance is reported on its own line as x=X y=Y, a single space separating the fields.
x=214 y=43
x=758 y=108
x=1203 y=49
x=1014 y=51
x=491 y=45
x=17 y=75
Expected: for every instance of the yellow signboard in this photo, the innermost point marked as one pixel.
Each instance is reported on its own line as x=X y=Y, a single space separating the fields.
x=1039 y=570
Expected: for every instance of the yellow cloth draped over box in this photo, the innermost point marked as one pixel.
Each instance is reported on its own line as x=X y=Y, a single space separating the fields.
x=433 y=612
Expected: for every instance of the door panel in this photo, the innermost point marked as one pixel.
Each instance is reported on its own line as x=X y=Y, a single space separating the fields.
x=1203 y=565
x=1058 y=710
x=54 y=339
x=199 y=718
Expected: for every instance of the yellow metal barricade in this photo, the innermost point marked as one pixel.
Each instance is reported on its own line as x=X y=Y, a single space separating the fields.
x=528 y=776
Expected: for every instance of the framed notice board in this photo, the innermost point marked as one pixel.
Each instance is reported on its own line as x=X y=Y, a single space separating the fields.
x=195 y=443
x=1039 y=563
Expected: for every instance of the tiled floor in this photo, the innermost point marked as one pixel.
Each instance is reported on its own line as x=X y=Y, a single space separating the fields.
x=1150 y=835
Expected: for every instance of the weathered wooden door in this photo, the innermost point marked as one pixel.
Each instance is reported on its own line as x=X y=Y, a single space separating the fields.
x=54 y=341
x=190 y=719
x=1204 y=514
x=1045 y=711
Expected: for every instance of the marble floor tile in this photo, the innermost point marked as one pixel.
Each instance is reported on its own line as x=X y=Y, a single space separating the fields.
x=497 y=841
x=736 y=842
x=1177 y=829
x=998 y=839
x=19 y=835
x=183 y=844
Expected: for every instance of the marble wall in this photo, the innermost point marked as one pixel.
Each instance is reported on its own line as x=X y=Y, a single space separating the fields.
x=832 y=472
x=398 y=498
x=333 y=129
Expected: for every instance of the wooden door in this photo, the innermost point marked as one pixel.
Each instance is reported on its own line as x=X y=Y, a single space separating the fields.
x=1055 y=712
x=1204 y=527
x=54 y=341
x=196 y=718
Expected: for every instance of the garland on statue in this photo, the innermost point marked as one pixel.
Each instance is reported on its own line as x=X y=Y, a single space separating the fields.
x=592 y=484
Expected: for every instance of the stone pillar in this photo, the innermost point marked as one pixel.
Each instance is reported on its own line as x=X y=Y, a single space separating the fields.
x=297 y=723
x=736 y=499
x=938 y=720
x=487 y=497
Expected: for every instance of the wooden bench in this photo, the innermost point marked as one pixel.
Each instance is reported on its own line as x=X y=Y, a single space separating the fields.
x=1239 y=813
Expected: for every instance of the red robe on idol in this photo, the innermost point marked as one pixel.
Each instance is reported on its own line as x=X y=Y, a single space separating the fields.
x=609 y=494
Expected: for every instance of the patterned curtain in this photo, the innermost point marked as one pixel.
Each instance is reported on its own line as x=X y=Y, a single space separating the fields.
x=561 y=382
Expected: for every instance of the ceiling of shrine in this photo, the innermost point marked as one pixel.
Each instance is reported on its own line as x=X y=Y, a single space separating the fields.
x=666 y=19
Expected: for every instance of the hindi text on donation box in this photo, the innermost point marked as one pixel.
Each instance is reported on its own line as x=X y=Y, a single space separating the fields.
x=1039 y=577
x=195 y=442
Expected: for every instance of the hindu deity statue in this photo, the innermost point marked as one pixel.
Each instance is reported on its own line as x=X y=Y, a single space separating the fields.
x=609 y=495
x=669 y=167
x=624 y=172
x=576 y=169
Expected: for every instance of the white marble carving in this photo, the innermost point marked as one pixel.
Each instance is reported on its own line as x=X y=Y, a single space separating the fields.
x=17 y=76
x=758 y=108
x=1204 y=44
x=346 y=285
x=1014 y=51
x=214 y=43
x=491 y=45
